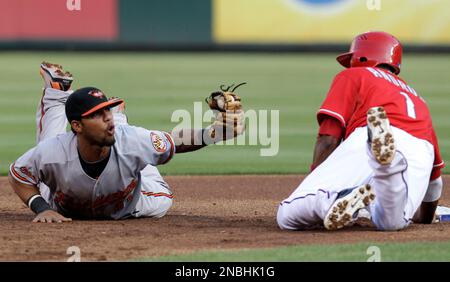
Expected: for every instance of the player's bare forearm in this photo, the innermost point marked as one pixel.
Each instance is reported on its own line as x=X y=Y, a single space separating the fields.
x=325 y=145
x=188 y=140
x=425 y=213
x=25 y=192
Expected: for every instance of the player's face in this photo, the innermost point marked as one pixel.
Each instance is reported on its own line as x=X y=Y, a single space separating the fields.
x=98 y=128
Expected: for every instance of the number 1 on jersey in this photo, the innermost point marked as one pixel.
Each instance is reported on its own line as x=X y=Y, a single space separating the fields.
x=409 y=105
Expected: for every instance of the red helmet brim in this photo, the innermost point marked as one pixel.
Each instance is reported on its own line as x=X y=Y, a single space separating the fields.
x=344 y=59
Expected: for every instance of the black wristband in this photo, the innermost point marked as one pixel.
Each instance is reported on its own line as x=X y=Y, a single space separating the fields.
x=39 y=205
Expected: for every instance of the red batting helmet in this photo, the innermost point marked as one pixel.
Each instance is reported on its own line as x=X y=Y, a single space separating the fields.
x=372 y=49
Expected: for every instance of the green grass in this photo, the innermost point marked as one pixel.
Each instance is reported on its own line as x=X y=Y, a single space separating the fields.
x=154 y=85
x=414 y=251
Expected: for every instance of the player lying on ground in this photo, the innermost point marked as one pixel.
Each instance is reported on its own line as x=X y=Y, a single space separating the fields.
x=103 y=167
x=368 y=106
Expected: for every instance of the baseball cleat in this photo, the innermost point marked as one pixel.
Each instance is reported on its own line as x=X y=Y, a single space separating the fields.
x=344 y=211
x=380 y=134
x=55 y=77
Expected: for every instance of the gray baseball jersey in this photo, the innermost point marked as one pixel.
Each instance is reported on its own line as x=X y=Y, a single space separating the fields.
x=55 y=162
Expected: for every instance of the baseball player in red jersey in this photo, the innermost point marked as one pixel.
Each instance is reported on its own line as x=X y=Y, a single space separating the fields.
x=376 y=148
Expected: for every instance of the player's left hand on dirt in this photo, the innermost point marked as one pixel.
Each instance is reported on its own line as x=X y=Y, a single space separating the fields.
x=229 y=116
x=50 y=216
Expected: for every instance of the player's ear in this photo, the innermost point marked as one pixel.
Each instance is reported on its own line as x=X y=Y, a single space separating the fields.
x=76 y=126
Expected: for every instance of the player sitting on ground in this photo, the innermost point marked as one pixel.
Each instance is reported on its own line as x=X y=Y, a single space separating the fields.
x=103 y=167
x=388 y=162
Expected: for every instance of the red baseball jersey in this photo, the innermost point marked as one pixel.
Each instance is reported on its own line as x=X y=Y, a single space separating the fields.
x=355 y=90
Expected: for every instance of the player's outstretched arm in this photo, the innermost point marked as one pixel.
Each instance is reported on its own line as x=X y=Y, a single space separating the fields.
x=30 y=195
x=188 y=140
x=228 y=123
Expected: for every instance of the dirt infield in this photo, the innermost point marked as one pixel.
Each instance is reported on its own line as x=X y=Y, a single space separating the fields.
x=210 y=212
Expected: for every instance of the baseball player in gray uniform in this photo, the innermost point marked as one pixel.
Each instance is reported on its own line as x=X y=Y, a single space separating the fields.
x=103 y=168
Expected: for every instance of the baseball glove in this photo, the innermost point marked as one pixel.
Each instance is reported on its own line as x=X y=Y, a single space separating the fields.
x=229 y=116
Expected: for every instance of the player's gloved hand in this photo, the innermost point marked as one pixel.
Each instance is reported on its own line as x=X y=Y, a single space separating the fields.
x=229 y=116
x=51 y=216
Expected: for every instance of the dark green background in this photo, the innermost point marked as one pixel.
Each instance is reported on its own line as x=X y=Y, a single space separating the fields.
x=165 y=21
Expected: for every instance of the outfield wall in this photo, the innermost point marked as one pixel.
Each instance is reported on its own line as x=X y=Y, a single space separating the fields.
x=285 y=25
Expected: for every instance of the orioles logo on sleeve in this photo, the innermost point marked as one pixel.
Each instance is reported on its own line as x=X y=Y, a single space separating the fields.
x=158 y=143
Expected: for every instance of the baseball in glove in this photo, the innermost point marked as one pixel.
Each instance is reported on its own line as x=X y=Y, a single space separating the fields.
x=229 y=116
